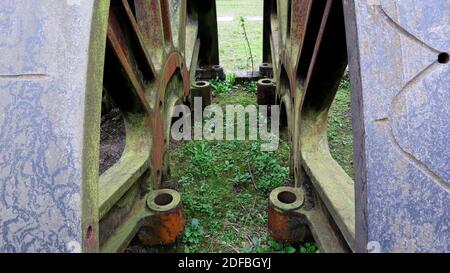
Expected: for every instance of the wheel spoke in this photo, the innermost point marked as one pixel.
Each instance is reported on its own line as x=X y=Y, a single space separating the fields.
x=329 y=58
x=192 y=41
x=149 y=20
x=300 y=15
x=139 y=37
x=325 y=71
x=122 y=39
x=310 y=33
x=176 y=8
x=167 y=28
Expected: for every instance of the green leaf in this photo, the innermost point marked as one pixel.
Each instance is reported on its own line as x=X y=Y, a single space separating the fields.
x=290 y=249
x=274 y=244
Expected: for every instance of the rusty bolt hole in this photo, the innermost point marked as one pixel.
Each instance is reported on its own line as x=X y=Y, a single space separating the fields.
x=287 y=197
x=163 y=199
x=443 y=58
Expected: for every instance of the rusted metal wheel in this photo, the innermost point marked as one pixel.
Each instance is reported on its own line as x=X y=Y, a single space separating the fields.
x=152 y=52
x=305 y=42
x=52 y=63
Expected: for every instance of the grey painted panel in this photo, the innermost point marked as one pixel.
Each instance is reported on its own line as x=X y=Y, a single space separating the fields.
x=44 y=49
x=402 y=110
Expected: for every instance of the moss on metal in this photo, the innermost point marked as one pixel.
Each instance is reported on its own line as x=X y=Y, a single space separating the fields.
x=92 y=128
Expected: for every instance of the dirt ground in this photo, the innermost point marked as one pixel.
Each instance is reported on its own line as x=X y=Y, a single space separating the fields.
x=112 y=139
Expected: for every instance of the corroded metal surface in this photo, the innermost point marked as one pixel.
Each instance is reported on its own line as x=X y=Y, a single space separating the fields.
x=308 y=53
x=266 y=70
x=167 y=226
x=399 y=70
x=203 y=91
x=284 y=223
x=152 y=55
x=265 y=92
x=400 y=81
x=210 y=73
x=48 y=124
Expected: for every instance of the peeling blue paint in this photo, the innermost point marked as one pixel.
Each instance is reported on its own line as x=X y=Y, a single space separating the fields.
x=43 y=63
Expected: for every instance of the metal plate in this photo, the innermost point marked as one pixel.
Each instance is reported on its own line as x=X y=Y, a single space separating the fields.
x=401 y=119
x=51 y=59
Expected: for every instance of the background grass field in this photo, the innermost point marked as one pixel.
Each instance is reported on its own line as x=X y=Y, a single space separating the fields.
x=233 y=49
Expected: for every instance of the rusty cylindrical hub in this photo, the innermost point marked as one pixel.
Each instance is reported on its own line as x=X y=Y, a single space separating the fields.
x=202 y=90
x=218 y=72
x=285 y=224
x=266 y=70
x=266 y=92
x=166 y=226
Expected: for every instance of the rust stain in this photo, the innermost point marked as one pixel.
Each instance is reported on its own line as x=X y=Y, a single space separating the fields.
x=163 y=228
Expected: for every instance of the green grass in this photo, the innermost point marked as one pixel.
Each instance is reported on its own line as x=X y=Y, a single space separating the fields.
x=340 y=137
x=225 y=186
x=220 y=197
